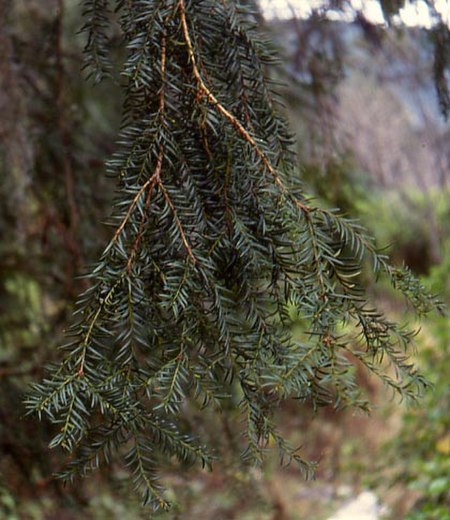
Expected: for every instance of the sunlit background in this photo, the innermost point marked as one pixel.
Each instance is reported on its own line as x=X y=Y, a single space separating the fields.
x=412 y=14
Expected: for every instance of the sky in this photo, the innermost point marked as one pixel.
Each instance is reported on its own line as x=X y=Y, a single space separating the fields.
x=415 y=13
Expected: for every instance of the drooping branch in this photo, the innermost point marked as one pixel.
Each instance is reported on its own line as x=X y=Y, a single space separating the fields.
x=190 y=302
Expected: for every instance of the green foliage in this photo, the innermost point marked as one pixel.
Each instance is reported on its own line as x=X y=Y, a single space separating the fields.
x=423 y=446
x=421 y=451
x=415 y=225
x=439 y=279
x=213 y=244
x=430 y=512
x=394 y=210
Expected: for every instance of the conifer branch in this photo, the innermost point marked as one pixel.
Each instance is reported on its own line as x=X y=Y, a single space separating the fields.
x=177 y=221
x=171 y=320
x=228 y=115
x=157 y=173
x=86 y=340
x=155 y=177
x=148 y=199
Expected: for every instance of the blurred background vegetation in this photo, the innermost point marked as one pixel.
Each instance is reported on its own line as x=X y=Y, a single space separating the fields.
x=371 y=140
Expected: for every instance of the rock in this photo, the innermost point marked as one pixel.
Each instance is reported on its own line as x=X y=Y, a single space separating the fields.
x=344 y=491
x=364 y=507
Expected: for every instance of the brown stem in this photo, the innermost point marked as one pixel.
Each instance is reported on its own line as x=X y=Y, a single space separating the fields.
x=66 y=164
x=154 y=179
x=156 y=175
x=177 y=221
x=62 y=126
